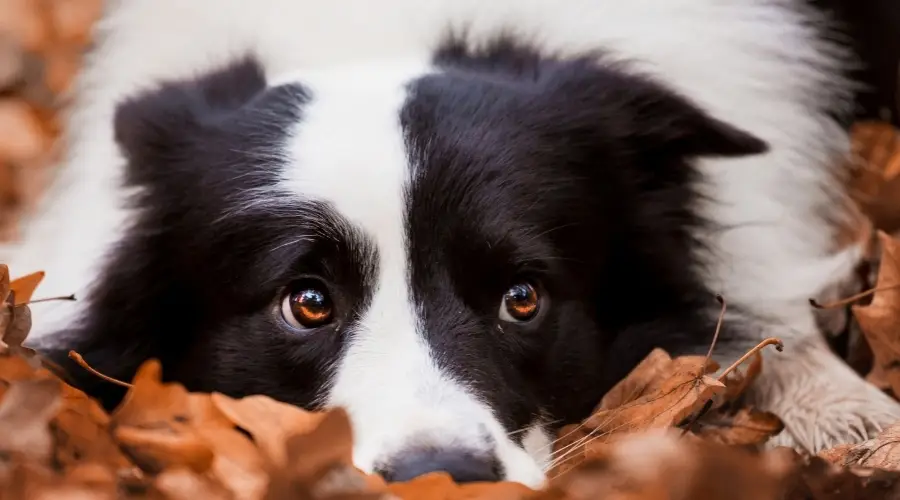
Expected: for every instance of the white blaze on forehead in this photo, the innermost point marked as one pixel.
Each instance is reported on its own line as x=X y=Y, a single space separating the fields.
x=349 y=151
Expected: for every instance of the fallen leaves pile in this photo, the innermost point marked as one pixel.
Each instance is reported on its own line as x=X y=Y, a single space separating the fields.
x=41 y=47
x=670 y=430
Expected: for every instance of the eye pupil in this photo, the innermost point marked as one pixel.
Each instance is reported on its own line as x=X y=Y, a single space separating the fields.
x=310 y=306
x=521 y=301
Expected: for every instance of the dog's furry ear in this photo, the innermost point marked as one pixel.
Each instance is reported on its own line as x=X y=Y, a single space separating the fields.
x=166 y=132
x=661 y=121
x=159 y=120
x=634 y=109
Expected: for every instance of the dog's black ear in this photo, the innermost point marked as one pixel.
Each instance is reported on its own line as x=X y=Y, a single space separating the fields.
x=163 y=124
x=662 y=121
x=609 y=101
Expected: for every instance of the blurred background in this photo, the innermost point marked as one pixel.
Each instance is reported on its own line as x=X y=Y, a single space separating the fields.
x=42 y=43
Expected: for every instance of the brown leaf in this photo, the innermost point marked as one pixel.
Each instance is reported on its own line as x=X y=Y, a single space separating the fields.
x=72 y=20
x=153 y=424
x=82 y=434
x=439 y=486
x=23 y=138
x=876 y=184
x=882 y=452
x=16 y=323
x=186 y=484
x=636 y=383
x=4 y=282
x=815 y=478
x=320 y=462
x=35 y=482
x=11 y=62
x=660 y=464
x=748 y=426
x=237 y=464
x=837 y=454
x=25 y=414
x=330 y=443
x=680 y=394
x=880 y=320
x=25 y=286
x=23 y=20
x=270 y=422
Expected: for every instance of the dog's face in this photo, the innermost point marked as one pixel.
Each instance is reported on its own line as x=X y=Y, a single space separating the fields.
x=461 y=253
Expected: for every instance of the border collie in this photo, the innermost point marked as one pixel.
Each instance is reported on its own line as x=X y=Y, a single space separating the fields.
x=462 y=220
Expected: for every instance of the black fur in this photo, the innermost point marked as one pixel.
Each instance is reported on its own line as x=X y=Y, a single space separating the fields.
x=571 y=173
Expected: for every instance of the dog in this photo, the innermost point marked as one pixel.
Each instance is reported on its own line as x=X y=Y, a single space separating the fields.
x=462 y=221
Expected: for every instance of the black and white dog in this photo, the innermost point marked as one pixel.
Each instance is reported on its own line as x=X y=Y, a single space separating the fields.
x=462 y=220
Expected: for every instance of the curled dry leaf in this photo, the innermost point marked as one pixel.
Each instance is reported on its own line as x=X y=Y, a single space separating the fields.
x=876 y=185
x=238 y=463
x=746 y=427
x=270 y=422
x=881 y=452
x=638 y=381
x=24 y=287
x=880 y=320
x=683 y=389
x=81 y=430
x=153 y=424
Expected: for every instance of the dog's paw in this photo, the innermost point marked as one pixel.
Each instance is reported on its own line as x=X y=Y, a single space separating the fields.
x=839 y=422
x=823 y=411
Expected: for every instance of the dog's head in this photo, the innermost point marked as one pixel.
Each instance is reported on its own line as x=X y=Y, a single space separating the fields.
x=461 y=253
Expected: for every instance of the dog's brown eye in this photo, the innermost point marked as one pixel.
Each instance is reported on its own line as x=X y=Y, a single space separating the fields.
x=520 y=303
x=307 y=305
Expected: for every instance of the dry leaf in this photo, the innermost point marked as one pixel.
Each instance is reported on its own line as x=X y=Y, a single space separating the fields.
x=23 y=137
x=5 y=285
x=636 y=383
x=25 y=414
x=25 y=286
x=11 y=62
x=153 y=424
x=238 y=464
x=72 y=20
x=876 y=185
x=23 y=21
x=747 y=427
x=815 y=478
x=880 y=320
x=439 y=486
x=81 y=430
x=660 y=464
x=270 y=422
x=680 y=394
x=185 y=484
x=882 y=452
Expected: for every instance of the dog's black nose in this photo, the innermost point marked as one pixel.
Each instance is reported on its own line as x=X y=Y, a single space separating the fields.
x=462 y=465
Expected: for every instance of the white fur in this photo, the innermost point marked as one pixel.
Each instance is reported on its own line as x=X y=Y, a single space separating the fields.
x=387 y=379
x=748 y=62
